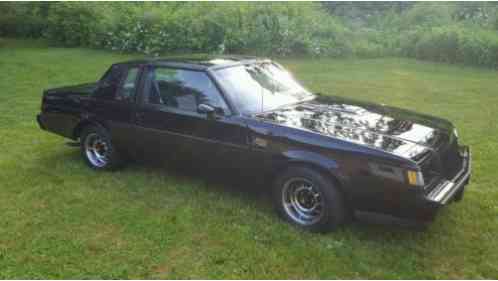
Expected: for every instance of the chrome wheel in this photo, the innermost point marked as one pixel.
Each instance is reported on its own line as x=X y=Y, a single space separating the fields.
x=302 y=201
x=97 y=150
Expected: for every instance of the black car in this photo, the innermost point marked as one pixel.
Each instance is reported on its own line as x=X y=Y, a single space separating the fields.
x=322 y=157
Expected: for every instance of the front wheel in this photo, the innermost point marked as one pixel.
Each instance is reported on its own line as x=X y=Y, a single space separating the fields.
x=309 y=200
x=98 y=150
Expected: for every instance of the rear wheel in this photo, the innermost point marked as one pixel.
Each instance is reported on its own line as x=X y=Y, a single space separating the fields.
x=309 y=200
x=98 y=150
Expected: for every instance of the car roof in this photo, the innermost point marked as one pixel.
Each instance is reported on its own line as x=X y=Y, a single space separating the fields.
x=198 y=62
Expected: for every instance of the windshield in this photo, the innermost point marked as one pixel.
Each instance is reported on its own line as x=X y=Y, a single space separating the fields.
x=259 y=87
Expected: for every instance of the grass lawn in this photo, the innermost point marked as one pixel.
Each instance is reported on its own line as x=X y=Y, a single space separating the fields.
x=59 y=219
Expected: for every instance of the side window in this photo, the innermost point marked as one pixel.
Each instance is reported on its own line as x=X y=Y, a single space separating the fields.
x=112 y=76
x=127 y=90
x=183 y=89
x=109 y=83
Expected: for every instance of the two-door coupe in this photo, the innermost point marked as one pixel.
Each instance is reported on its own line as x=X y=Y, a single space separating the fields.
x=322 y=157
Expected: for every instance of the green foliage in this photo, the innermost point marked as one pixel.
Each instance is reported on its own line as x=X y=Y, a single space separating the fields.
x=493 y=18
x=445 y=32
x=23 y=19
x=482 y=14
x=151 y=28
x=452 y=44
x=73 y=23
x=279 y=29
x=426 y=15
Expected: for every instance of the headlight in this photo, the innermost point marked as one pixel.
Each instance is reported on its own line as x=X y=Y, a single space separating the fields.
x=387 y=171
x=455 y=132
x=415 y=178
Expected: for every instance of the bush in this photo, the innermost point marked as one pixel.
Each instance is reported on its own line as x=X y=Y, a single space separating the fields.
x=478 y=47
x=261 y=28
x=456 y=44
x=23 y=19
x=431 y=33
x=493 y=19
x=162 y=27
x=426 y=15
x=444 y=32
x=74 y=23
x=439 y=44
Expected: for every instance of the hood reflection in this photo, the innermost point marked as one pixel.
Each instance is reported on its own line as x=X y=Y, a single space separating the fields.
x=360 y=125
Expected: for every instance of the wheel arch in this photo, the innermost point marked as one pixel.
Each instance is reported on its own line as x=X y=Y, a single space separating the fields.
x=332 y=175
x=85 y=123
x=328 y=167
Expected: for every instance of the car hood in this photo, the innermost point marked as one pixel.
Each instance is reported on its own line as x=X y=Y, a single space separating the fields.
x=393 y=130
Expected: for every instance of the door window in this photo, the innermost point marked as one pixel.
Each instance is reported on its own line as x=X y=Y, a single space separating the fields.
x=182 y=89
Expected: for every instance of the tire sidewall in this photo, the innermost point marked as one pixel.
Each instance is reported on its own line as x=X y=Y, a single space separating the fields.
x=334 y=207
x=113 y=161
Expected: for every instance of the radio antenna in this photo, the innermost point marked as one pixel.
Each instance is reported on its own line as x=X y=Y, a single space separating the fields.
x=262 y=95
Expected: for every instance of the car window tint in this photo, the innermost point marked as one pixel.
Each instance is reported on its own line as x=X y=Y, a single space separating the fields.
x=128 y=86
x=112 y=76
x=108 y=84
x=183 y=89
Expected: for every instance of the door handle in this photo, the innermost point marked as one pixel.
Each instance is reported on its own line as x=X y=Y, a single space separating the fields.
x=139 y=115
x=259 y=142
x=75 y=99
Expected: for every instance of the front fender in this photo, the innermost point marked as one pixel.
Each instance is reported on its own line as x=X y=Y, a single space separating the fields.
x=323 y=163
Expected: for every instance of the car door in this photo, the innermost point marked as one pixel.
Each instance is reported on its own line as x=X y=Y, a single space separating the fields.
x=114 y=102
x=170 y=125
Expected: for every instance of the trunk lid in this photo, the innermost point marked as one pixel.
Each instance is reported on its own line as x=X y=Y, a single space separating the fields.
x=81 y=89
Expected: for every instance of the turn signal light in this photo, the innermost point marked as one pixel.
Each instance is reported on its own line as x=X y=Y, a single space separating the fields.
x=415 y=178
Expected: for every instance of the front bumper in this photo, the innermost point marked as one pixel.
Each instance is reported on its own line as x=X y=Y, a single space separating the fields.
x=450 y=190
x=424 y=204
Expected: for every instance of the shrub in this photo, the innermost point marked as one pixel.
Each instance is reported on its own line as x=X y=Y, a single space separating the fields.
x=162 y=27
x=445 y=32
x=493 y=19
x=261 y=28
x=73 y=23
x=456 y=44
x=479 y=47
x=426 y=15
x=439 y=44
x=23 y=19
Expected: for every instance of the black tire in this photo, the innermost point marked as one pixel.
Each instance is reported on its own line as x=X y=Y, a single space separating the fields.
x=329 y=202
x=94 y=134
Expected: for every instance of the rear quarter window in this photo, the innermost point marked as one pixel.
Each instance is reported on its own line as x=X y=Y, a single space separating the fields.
x=113 y=75
x=109 y=83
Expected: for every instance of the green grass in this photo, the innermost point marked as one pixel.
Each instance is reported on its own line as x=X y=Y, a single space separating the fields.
x=59 y=219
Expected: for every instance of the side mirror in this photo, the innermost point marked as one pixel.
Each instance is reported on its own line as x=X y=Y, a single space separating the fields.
x=205 y=108
x=209 y=110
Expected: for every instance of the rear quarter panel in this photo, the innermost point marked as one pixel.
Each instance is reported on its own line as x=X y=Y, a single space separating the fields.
x=64 y=108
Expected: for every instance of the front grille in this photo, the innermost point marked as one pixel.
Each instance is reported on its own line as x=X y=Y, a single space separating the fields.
x=429 y=168
x=451 y=160
x=445 y=162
